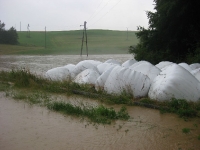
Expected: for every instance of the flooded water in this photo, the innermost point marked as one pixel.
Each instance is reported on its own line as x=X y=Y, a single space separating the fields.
x=40 y=64
x=23 y=126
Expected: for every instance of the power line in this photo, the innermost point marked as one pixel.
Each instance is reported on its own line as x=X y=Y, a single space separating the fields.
x=96 y=10
x=107 y=12
x=101 y=9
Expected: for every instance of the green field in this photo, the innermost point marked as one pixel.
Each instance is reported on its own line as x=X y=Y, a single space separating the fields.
x=69 y=42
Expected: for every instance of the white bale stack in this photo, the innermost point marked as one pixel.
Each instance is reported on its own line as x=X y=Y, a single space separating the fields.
x=123 y=79
x=163 y=64
x=129 y=63
x=138 y=63
x=105 y=66
x=196 y=73
x=175 y=82
x=162 y=82
x=87 y=76
x=195 y=66
x=113 y=61
x=102 y=79
x=186 y=66
x=146 y=68
x=85 y=64
x=58 y=74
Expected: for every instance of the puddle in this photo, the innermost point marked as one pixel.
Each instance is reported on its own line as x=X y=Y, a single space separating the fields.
x=23 y=126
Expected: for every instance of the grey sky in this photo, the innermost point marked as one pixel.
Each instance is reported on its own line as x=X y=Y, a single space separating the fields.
x=59 y=15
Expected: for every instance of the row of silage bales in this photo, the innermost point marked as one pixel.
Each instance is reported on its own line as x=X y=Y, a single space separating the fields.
x=161 y=82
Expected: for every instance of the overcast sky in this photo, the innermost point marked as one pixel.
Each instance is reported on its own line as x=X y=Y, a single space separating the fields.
x=58 y=15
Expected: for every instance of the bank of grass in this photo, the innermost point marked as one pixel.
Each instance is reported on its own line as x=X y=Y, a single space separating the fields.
x=99 y=114
x=23 y=79
x=69 y=43
x=186 y=130
x=22 y=85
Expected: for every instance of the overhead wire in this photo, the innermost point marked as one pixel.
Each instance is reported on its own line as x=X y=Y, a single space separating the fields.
x=96 y=10
x=100 y=9
x=107 y=12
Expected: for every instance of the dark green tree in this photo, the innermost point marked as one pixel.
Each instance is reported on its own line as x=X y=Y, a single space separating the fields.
x=2 y=26
x=173 y=33
x=2 y=32
x=8 y=36
x=12 y=36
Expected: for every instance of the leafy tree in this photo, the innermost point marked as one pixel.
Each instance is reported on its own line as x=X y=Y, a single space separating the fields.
x=8 y=36
x=173 y=33
x=2 y=26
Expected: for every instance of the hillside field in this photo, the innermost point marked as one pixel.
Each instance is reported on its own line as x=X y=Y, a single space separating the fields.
x=69 y=42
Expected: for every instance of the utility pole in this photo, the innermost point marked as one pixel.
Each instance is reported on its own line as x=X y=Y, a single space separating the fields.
x=84 y=33
x=127 y=34
x=45 y=38
x=28 y=31
x=20 y=26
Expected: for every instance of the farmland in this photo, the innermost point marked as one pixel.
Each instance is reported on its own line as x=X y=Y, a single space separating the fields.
x=69 y=43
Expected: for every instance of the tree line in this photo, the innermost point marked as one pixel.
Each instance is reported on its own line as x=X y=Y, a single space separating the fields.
x=173 y=33
x=8 y=36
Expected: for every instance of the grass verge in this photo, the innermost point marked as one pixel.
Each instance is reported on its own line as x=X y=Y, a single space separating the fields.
x=99 y=114
x=23 y=79
x=34 y=90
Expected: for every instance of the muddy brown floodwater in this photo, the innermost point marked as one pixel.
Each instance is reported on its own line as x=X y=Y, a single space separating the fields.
x=30 y=127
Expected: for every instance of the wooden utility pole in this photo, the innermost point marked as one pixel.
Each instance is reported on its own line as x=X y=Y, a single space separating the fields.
x=127 y=34
x=84 y=34
x=45 y=37
x=28 y=31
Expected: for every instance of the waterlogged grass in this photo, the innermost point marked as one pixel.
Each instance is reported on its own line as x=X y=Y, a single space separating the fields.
x=184 y=108
x=185 y=130
x=23 y=79
x=180 y=107
x=33 y=97
x=99 y=114
x=34 y=90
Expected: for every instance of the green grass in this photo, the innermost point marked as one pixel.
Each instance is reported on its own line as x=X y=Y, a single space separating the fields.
x=185 y=130
x=69 y=42
x=99 y=114
x=34 y=90
x=27 y=82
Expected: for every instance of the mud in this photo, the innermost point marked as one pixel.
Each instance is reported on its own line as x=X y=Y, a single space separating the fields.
x=30 y=127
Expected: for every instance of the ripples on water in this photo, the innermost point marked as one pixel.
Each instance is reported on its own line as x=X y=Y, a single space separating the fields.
x=40 y=64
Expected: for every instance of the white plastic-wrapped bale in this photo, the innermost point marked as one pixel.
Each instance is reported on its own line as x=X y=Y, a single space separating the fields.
x=129 y=63
x=186 y=66
x=102 y=79
x=124 y=79
x=87 y=76
x=58 y=74
x=105 y=66
x=163 y=64
x=70 y=67
x=146 y=68
x=138 y=63
x=113 y=61
x=195 y=66
x=196 y=73
x=175 y=82
x=85 y=64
